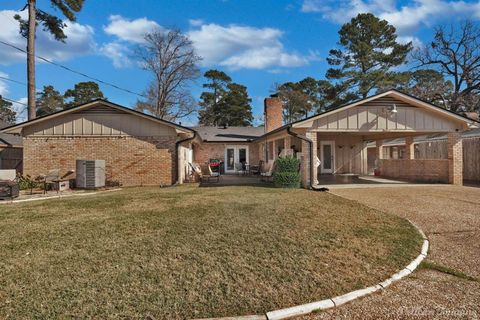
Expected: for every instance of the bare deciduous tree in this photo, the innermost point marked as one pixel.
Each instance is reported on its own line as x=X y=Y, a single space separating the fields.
x=455 y=52
x=171 y=58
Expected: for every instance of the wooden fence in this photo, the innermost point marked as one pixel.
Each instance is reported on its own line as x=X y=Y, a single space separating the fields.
x=439 y=150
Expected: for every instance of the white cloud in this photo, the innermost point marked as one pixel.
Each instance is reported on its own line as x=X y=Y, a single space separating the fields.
x=3 y=85
x=130 y=30
x=127 y=32
x=243 y=47
x=231 y=46
x=79 y=41
x=406 y=18
x=416 y=42
x=118 y=53
x=195 y=22
x=20 y=109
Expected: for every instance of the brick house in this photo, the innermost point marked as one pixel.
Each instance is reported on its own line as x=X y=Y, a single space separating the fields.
x=143 y=150
x=138 y=149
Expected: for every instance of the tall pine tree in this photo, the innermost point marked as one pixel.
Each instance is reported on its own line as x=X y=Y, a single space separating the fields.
x=226 y=102
x=54 y=25
x=217 y=82
x=49 y=101
x=7 y=114
x=83 y=92
x=368 y=52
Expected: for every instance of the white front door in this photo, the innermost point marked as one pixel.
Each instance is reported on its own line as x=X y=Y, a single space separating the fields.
x=235 y=155
x=327 y=156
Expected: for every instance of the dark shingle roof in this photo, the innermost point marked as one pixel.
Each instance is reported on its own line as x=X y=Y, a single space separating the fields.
x=9 y=139
x=229 y=134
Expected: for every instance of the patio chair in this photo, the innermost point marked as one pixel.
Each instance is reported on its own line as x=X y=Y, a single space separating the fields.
x=205 y=175
x=256 y=169
x=239 y=168
x=268 y=175
x=9 y=187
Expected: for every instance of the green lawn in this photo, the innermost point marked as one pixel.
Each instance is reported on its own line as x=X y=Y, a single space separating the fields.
x=189 y=252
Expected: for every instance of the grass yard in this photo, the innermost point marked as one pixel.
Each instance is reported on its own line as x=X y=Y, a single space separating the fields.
x=191 y=252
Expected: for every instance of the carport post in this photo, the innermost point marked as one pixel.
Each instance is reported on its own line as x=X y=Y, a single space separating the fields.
x=455 y=158
x=275 y=149
x=287 y=143
x=409 y=148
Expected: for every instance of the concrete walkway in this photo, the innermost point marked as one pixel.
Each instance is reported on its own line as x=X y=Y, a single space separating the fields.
x=450 y=216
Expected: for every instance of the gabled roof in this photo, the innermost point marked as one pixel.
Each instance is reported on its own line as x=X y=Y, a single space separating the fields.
x=98 y=102
x=228 y=134
x=396 y=94
x=9 y=139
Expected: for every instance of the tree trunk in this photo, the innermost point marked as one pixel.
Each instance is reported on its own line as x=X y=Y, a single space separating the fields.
x=31 y=59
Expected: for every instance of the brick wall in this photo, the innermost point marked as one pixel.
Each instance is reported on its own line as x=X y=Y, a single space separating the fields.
x=415 y=170
x=203 y=152
x=131 y=161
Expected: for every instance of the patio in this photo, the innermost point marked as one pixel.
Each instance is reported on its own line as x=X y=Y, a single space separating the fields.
x=236 y=180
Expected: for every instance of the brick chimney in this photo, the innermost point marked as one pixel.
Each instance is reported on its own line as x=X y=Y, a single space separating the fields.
x=273 y=113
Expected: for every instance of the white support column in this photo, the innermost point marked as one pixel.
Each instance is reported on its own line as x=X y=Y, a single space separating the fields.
x=379 y=155
x=364 y=158
x=312 y=136
x=288 y=142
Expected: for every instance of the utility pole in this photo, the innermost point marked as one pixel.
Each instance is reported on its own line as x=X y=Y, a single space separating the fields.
x=31 y=59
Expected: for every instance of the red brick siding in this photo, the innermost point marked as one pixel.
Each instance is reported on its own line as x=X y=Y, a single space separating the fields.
x=415 y=170
x=206 y=151
x=131 y=161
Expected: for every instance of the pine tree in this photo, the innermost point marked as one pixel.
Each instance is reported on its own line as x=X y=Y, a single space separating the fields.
x=83 y=92
x=49 y=101
x=369 y=50
x=7 y=114
x=209 y=101
x=235 y=107
x=50 y=23
x=227 y=103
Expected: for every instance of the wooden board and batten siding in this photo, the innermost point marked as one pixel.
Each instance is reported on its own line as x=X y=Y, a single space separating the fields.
x=99 y=121
x=374 y=116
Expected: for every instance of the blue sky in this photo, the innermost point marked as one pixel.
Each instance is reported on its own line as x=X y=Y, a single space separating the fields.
x=258 y=43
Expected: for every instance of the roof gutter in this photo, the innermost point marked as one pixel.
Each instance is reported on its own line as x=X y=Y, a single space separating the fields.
x=310 y=145
x=177 y=147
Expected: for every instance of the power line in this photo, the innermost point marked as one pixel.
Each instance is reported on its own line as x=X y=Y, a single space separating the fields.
x=13 y=101
x=14 y=81
x=74 y=71
x=17 y=82
x=25 y=106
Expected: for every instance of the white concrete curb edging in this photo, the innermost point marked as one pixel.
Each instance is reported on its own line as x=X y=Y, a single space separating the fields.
x=334 y=302
x=337 y=301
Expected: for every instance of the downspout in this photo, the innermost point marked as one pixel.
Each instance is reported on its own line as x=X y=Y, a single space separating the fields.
x=310 y=144
x=177 y=147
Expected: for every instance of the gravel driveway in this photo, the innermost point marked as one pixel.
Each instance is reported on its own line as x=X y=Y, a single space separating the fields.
x=450 y=217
